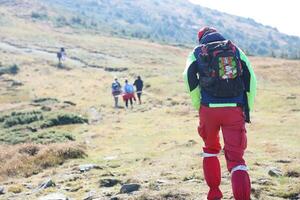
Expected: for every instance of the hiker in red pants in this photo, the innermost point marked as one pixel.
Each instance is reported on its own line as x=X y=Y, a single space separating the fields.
x=222 y=85
x=128 y=95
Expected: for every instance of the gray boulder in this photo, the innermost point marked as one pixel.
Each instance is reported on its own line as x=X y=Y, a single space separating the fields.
x=2 y=190
x=275 y=172
x=128 y=188
x=48 y=183
x=88 y=167
x=108 y=182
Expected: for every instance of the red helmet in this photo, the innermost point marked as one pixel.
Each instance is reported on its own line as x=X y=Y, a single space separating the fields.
x=205 y=30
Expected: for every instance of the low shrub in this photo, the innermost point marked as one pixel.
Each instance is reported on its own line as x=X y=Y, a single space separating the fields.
x=21 y=118
x=64 y=119
x=28 y=159
x=45 y=100
x=13 y=69
x=39 y=16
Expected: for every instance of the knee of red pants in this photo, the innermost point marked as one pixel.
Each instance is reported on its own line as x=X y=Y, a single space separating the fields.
x=211 y=142
x=234 y=158
x=234 y=153
x=235 y=143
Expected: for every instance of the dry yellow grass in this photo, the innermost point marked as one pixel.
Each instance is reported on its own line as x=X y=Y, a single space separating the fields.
x=28 y=159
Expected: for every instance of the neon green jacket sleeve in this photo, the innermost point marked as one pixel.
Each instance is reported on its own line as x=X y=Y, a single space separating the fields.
x=191 y=80
x=251 y=91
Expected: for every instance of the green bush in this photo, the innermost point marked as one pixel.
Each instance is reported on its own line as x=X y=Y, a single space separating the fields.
x=39 y=16
x=64 y=119
x=21 y=118
x=45 y=100
x=13 y=69
x=61 y=21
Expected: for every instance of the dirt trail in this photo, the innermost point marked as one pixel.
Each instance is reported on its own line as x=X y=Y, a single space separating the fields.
x=39 y=52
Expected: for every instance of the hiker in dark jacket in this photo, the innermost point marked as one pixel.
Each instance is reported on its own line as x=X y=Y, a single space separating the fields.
x=138 y=83
x=116 y=91
x=222 y=85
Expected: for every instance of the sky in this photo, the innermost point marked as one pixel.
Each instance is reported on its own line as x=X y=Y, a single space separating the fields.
x=281 y=14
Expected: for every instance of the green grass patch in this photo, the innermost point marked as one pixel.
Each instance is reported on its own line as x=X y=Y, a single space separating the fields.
x=39 y=137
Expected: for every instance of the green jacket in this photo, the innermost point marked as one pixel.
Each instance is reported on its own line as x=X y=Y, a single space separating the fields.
x=191 y=80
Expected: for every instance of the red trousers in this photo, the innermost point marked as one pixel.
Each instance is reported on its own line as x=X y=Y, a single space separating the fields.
x=127 y=96
x=231 y=121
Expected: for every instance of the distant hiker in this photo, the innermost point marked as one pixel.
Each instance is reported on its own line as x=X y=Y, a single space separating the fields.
x=61 y=56
x=128 y=94
x=116 y=90
x=222 y=85
x=138 y=83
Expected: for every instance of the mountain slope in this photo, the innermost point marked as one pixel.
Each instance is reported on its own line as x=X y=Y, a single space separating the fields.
x=155 y=144
x=167 y=21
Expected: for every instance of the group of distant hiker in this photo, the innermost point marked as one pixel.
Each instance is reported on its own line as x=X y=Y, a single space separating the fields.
x=128 y=92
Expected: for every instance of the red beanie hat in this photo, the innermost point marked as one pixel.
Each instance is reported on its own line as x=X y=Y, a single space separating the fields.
x=205 y=30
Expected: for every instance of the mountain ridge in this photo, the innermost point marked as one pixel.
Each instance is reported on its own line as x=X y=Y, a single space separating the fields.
x=170 y=22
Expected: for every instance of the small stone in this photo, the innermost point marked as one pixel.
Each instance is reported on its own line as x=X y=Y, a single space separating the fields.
x=190 y=143
x=54 y=196
x=110 y=157
x=16 y=83
x=90 y=196
x=160 y=181
x=256 y=192
x=46 y=184
x=73 y=189
x=263 y=181
x=2 y=190
x=46 y=108
x=128 y=188
x=88 y=167
x=72 y=178
x=28 y=186
x=292 y=173
x=275 y=172
x=109 y=182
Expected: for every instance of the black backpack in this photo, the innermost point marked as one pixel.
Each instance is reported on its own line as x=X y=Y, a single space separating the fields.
x=220 y=69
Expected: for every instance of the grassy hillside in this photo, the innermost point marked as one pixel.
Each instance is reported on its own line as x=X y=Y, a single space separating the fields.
x=155 y=144
x=172 y=22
